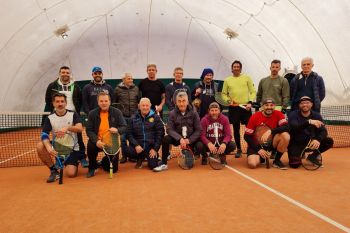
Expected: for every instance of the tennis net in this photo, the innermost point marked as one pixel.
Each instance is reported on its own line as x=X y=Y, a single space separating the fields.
x=20 y=134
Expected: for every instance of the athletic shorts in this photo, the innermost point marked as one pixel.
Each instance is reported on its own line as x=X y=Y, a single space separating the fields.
x=237 y=115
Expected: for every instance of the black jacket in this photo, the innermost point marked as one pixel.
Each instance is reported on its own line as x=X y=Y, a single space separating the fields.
x=190 y=120
x=55 y=87
x=115 y=119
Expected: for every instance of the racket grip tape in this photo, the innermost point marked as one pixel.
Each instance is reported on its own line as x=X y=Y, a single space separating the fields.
x=110 y=171
x=60 y=181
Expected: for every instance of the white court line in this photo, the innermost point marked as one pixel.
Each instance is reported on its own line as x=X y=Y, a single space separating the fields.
x=304 y=207
x=17 y=143
x=20 y=155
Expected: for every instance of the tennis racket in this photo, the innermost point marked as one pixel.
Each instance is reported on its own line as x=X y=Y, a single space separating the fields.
x=311 y=159
x=111 y=148
x=186 y=157
x=216 y=160
x=264 y=144
x=161 y=118
x=64 y=146
x=224 y=100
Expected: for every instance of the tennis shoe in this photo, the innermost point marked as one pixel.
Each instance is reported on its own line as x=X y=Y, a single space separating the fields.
x=54 y=175
x=84 y=163
x=138 y=164
x=279 y=164
x=238 y=154
x=160 y=168
x=90 y=173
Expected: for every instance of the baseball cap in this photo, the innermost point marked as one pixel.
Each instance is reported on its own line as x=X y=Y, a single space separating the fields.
x=268 y=100
x=96 y=69
x=214 y=105
x=305 y=98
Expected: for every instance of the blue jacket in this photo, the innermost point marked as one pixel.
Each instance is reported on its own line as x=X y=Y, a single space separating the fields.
x=319 y=89
x=148 y=132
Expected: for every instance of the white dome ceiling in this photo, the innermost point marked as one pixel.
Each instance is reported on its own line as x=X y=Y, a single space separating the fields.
x=124 y=36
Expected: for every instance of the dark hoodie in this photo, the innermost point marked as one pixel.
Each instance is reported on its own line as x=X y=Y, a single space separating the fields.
x=90 y=92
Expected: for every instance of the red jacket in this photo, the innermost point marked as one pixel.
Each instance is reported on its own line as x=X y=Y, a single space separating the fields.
x=224 y=129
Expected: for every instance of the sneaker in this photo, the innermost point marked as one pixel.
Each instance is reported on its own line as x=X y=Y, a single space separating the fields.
x=238 y=153
x=123 y=160
x=279 y=164
x=54 y=175
x=138 y=164
x=160 y=168
x=84 y=163
x=204 y=161
x=90 y=173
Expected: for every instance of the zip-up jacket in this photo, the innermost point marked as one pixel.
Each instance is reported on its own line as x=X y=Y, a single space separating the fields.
x=148 y=132
x=115 y=119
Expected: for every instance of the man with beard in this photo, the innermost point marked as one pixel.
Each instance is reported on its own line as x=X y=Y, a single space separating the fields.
x=59 y=122
x=274 y=86
x=65 y=84
x=306 y=124
x=213 y=119
x=278 y=125
x=204 y=90
x=240 y=89
x=91 y=90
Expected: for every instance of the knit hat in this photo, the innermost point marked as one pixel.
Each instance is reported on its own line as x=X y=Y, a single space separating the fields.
x=206 y=71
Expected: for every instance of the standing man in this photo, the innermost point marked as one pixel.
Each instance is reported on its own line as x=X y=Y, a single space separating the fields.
x=213 y=119
x=240 y=89
x=174 y=86
x=275 y=87
x=278 y=125
x=182 y=120
x=100 y=120
x=204 y=91
x=60 y=122
x=91 y=90
x=126 y=96
x=307 y=83
x=145 y=134
x=306 y=124
x=153 y=89
x=65 y=84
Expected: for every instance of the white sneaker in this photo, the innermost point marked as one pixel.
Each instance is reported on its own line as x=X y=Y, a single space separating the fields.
x=160 y=168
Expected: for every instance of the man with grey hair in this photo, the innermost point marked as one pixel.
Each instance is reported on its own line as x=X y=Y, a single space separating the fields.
x=145 y=133
x=183 y=129
x=307 y=83
x=126 y=96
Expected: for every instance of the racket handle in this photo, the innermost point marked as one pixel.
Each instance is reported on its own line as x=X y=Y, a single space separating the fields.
x=110 y=171
x=267 y=160
x=60 y=181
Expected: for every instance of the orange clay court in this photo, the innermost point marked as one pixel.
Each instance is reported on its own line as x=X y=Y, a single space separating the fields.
x=235 y=199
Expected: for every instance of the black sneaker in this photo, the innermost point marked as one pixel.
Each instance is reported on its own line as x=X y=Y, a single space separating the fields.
x=204 y=161
x=138 y=164
x=54 y=175
x=279 y=164
x=90 y=173
x=123 y=160
x=238 y=153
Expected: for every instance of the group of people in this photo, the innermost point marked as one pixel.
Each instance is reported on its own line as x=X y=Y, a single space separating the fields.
x=193 y=115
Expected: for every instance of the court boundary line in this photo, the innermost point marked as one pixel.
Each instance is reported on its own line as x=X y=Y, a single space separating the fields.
x=291 y=200
x=15 y=157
